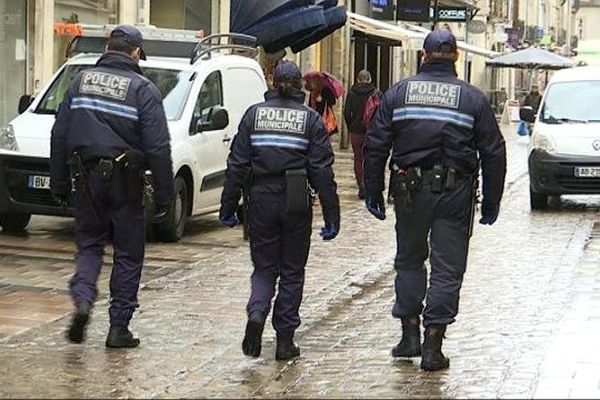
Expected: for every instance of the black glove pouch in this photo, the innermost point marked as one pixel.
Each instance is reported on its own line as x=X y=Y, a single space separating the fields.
x=297 y=193
x=104 y=169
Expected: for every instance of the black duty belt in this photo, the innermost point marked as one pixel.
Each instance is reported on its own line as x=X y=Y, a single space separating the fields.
x=428 y=174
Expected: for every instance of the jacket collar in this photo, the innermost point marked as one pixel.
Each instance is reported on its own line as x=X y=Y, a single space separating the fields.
x=119 y=60
x=297 y=96
x=440 y=66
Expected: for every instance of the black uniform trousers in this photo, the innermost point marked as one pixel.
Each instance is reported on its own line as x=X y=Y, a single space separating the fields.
x=437 y=227
x=108 y=214
x=279 y=246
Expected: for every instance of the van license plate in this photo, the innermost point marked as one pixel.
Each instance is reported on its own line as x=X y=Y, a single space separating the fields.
x=39 y=182
x=587 y=172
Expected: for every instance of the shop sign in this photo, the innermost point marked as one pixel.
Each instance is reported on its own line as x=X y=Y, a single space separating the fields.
x=453 y=14
x=413 y=10
x=382 y=9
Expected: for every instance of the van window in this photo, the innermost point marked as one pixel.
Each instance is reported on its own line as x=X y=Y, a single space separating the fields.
x=211 y=94
x=174 y=87
x=252 y=84
x=571 y=102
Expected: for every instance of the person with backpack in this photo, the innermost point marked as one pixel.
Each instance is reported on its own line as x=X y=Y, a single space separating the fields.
x=361 y=103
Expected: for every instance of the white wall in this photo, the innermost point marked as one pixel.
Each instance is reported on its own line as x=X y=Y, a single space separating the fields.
x=587 y=23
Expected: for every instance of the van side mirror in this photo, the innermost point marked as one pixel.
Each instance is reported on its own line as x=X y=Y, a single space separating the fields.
x=526 y=114
x=24 y=103
x=218 y=118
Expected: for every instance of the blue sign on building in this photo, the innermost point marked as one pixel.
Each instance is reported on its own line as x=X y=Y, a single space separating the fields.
x=380 y=3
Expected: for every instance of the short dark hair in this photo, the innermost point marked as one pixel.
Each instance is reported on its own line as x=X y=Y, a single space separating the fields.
x=119 y=44
x=446 y=51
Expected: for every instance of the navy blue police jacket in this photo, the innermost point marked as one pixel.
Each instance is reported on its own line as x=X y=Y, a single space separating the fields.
x=107 y=110
x=434 y=117
x=277 y=135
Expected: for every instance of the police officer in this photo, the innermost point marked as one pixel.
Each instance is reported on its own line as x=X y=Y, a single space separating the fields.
x=439 y=130
x=110 y=127
x=281 y=147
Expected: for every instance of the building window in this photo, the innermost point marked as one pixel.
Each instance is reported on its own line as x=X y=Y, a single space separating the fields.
x=186 y=14
x=79 y=12
x=13 y=47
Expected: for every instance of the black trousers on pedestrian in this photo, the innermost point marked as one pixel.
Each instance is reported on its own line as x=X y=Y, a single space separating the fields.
x=279 y=246
x=437 y=227
x=108 y=214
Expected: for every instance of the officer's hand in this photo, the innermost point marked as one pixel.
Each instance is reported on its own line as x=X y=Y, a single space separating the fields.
x=376 y=206
x=229 y=221
x=489 y=213
x=62 y=200
x=160 y=214
x=329 y=231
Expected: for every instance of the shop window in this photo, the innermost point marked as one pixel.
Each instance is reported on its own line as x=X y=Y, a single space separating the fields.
x=13 y=47
x=71 y=15
x=186 y=14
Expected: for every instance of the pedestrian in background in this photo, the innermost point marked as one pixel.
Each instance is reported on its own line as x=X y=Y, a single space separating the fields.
x=440 y=130
x=322 y=99
x=533 y=99
x=108 y=130
x=280 y=149
x=360 y=94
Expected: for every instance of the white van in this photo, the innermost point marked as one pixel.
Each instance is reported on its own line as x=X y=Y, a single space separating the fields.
x=205 y=94
x=564 y=153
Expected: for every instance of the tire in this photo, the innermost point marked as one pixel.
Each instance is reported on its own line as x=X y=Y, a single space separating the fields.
x=14 y=222
x=538 y=201
x=172 y=229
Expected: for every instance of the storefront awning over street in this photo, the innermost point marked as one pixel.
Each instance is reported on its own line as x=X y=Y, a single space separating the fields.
x=412 y=36
x=457 y=3
x=278 y=24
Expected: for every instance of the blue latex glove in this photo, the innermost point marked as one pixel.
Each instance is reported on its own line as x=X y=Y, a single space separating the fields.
x=489 y=213
x=376 y=206
x=229 y=221
x=329 y=231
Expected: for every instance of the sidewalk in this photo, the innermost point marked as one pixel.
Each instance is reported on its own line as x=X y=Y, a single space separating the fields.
x=525 y=328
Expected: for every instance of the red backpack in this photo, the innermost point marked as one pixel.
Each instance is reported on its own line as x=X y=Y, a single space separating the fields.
x=370 y=107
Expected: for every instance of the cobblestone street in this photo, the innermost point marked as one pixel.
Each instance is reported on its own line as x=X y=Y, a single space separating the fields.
x=529 y=316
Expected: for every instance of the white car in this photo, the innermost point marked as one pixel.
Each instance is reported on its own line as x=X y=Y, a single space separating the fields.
x=205 y=96
x=564 y=153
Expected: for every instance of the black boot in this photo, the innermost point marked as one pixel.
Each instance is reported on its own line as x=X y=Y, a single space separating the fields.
x=410 y=344
x=361 y=191
x=121 y=337
x=76 y=333
x=433 y=359
x=286 y=348
x=252 y=343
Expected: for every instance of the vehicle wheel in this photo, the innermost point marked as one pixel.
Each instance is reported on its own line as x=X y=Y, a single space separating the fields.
x=538 y=201
x=172 y=229
x=14 y=222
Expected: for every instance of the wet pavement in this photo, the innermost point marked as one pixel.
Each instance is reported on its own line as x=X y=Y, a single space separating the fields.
x=526 y=328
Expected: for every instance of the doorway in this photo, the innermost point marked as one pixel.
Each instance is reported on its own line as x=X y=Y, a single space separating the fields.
x=375 y=54
x=13 y=63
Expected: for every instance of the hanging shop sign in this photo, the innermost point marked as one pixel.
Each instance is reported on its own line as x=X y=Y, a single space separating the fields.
x=382 y=10
x=413 y=10
x=453 y=14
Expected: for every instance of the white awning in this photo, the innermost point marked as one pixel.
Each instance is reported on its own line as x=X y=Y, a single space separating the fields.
x=412 y=36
